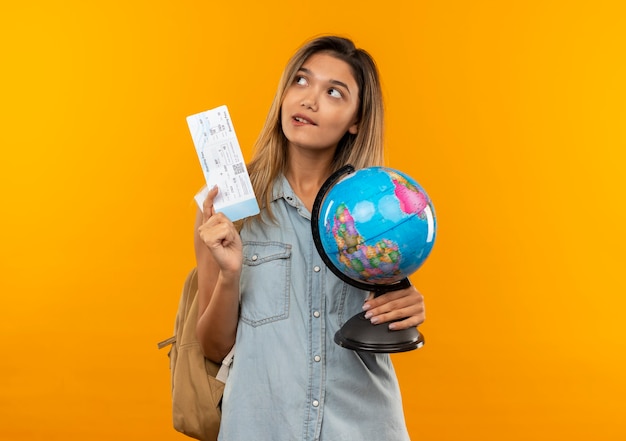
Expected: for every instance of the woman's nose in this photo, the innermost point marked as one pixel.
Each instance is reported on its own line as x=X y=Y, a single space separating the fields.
x=309 y=101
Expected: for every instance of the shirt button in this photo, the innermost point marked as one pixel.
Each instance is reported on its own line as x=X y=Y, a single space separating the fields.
x=255 y=257
x=316 y=269
x=317 y=358
x=316 y=314
x=316 y=403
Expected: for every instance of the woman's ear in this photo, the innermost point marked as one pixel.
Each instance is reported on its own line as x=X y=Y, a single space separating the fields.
x=354 y=128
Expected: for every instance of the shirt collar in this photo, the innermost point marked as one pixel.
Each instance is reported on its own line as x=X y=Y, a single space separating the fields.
x=283 y=190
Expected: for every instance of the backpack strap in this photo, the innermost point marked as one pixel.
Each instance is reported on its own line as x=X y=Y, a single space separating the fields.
x=222 y=374
x=164 y=343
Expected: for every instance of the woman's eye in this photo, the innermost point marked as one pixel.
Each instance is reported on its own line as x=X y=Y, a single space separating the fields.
x=334 y=93
x=301 y=81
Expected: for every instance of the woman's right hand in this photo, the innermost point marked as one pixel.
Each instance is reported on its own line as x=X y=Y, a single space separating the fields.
x=220 y=236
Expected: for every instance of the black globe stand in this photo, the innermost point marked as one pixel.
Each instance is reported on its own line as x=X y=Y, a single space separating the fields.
x=358 y=333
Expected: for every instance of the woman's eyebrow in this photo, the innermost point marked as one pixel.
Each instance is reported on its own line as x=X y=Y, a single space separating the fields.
x=335 y=82
x=340 y=83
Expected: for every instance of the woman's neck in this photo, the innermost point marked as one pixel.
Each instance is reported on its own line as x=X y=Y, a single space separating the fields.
x=306 y=176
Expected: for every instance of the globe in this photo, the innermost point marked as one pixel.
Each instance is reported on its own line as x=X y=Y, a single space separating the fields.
x=373 y=228
x=376 y=225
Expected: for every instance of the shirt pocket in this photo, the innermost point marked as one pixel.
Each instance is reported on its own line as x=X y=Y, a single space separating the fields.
x=265 y=282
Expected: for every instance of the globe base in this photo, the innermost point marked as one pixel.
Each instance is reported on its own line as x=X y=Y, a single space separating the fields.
x=359 y=334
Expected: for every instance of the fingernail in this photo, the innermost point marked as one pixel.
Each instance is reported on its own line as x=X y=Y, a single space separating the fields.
x=374 y=320
x=366 y=306
x=368 y=315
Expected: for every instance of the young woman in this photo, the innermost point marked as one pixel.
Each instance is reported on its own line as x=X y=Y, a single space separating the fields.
x=266 y=287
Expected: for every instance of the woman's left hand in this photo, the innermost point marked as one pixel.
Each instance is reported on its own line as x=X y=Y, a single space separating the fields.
x=403 y=308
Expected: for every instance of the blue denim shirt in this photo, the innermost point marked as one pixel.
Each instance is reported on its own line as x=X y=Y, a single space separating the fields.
x=289 y=380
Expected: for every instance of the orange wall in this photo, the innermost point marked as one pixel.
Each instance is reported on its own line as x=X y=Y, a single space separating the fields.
x=510 y=114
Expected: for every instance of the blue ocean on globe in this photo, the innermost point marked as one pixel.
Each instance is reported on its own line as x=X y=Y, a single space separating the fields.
x=377 y=225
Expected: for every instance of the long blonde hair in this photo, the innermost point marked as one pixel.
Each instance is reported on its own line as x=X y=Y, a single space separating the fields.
x=364 y=149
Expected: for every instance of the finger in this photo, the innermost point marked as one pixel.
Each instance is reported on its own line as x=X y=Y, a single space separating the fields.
x=397 y=308
x=207 y=206
x=409 y=322
x=226 y=229
x=380 y=315
x=218 y=230
x=403 y=317
x=373 y=301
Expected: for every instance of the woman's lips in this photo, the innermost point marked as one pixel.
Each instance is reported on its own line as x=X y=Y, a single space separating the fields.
x=300 y=119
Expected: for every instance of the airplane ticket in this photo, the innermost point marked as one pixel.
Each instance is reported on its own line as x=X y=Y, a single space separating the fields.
x=222 y=164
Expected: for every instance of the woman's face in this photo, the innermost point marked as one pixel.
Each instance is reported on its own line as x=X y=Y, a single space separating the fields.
x=321 y=105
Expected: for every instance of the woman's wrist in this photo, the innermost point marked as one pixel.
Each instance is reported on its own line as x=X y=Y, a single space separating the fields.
x=228 y=278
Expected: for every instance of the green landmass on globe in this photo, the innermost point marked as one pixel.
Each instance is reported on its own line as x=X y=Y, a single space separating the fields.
x=380 y=261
